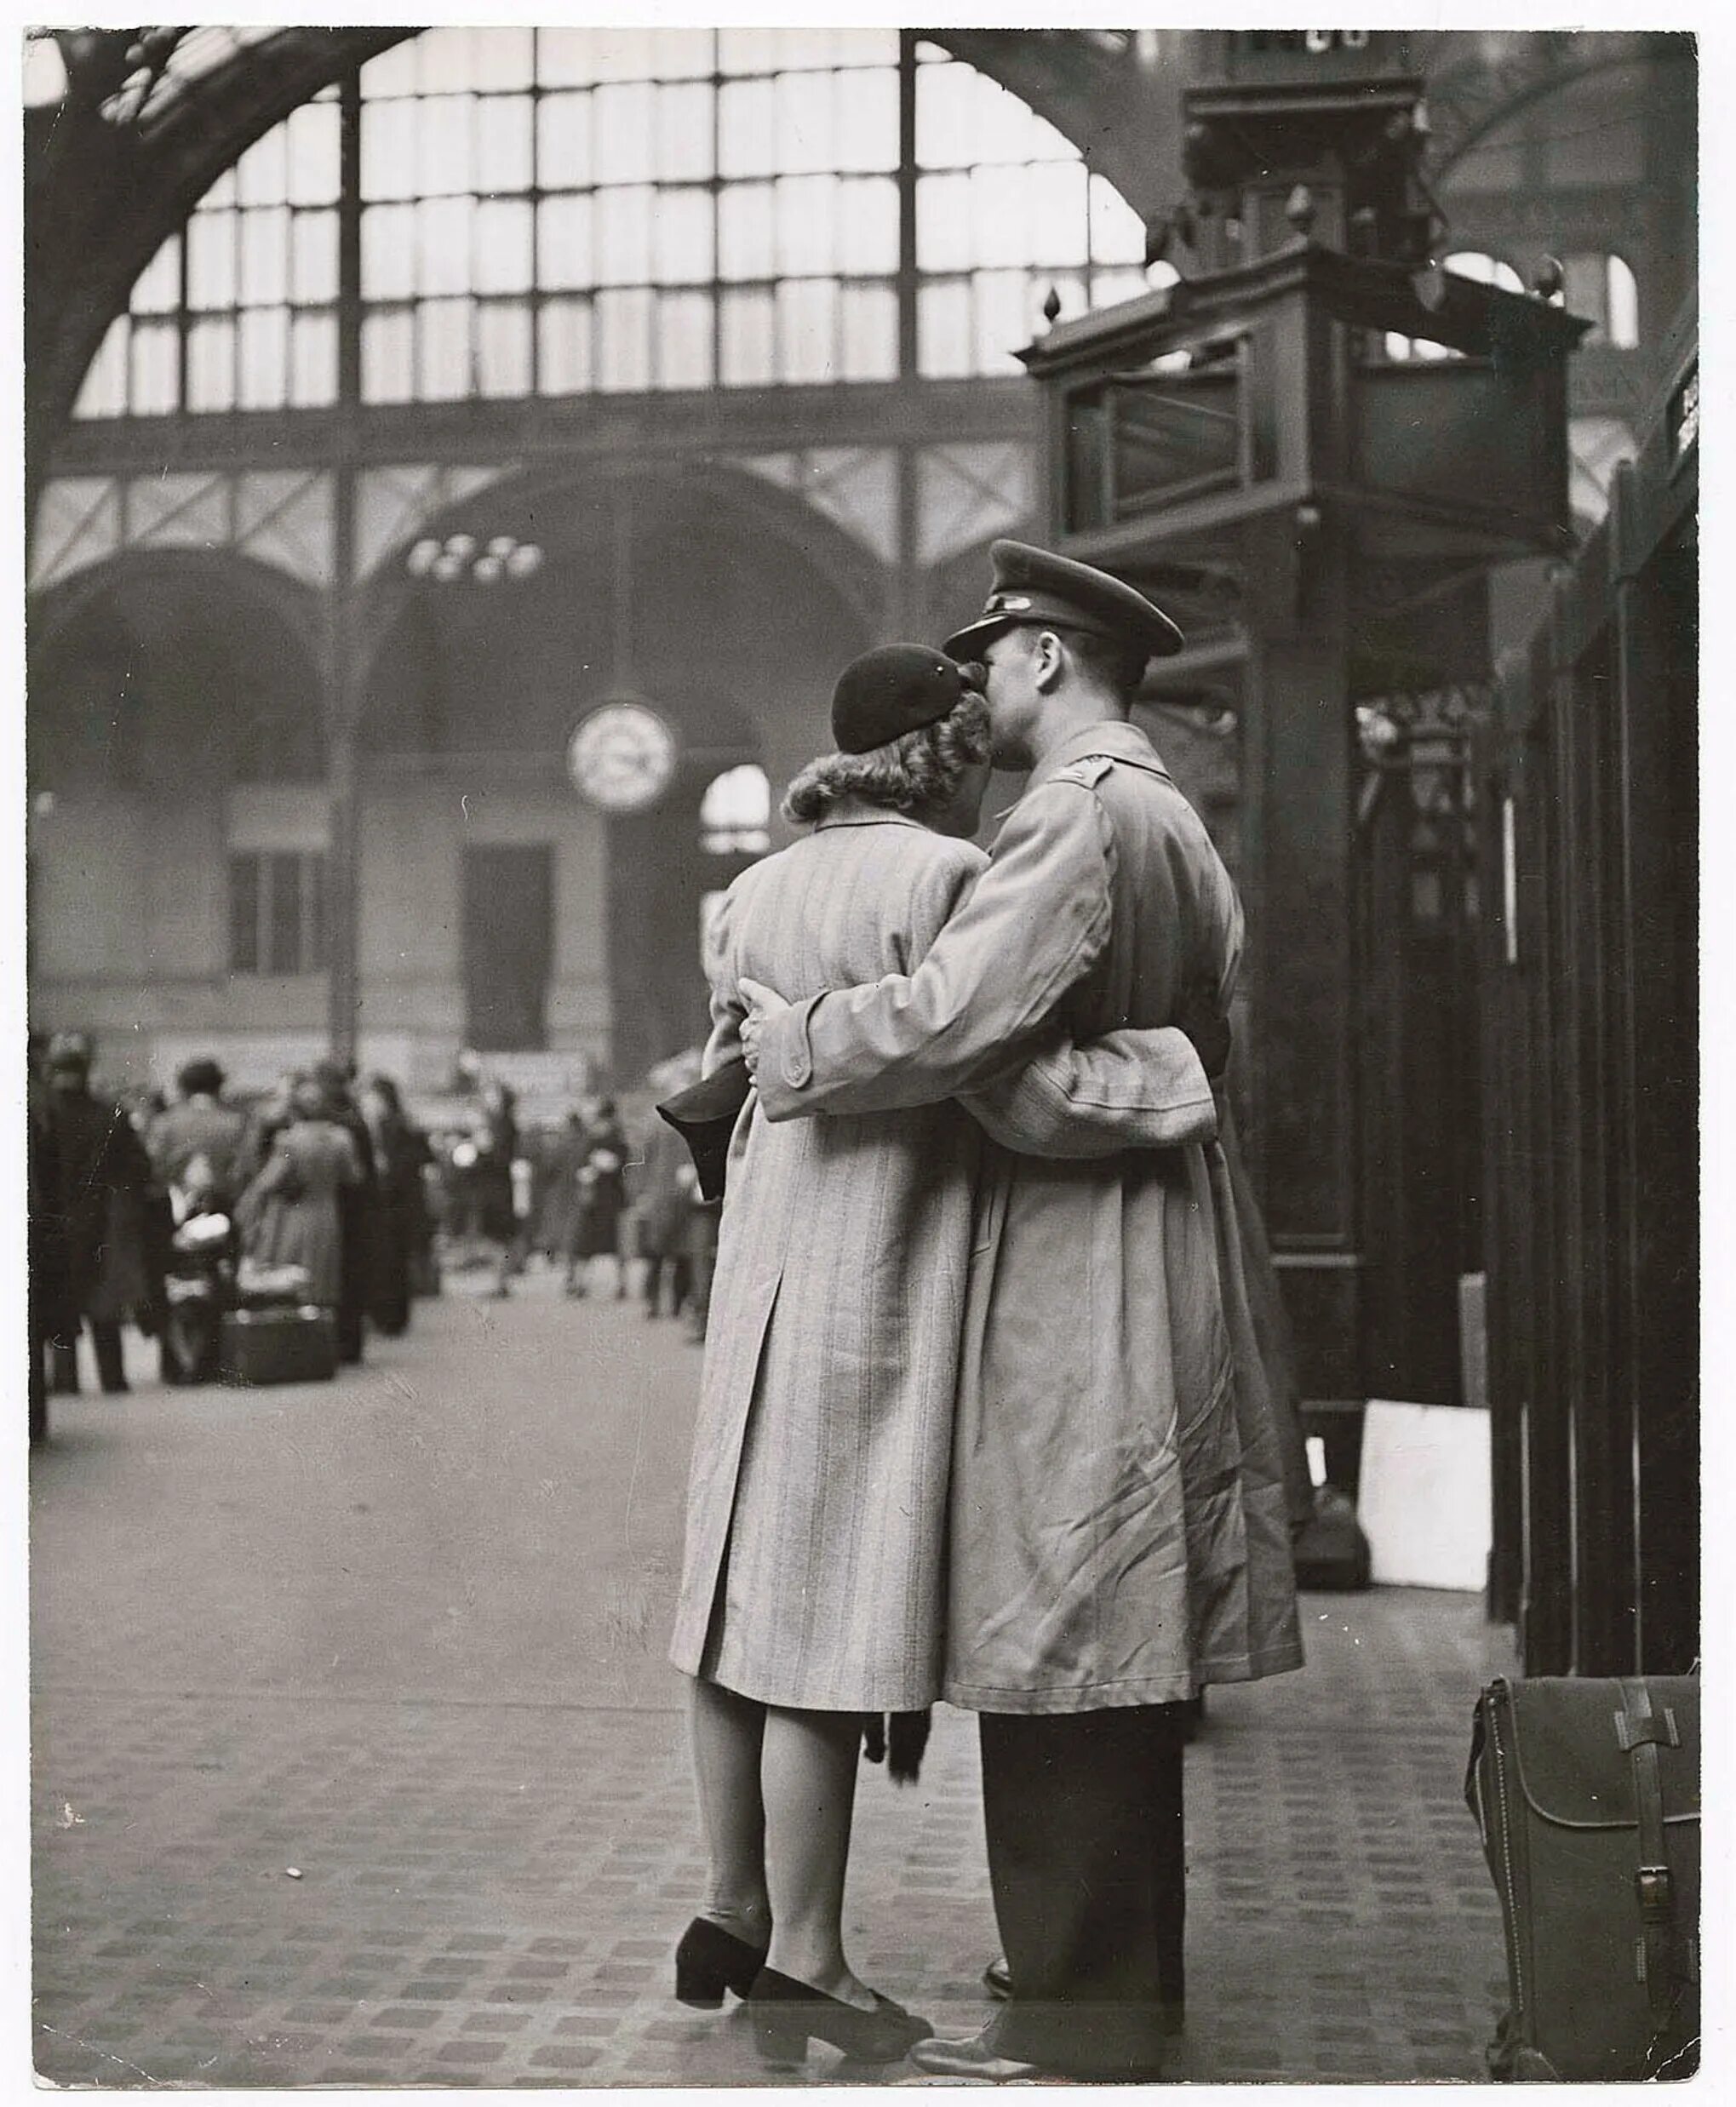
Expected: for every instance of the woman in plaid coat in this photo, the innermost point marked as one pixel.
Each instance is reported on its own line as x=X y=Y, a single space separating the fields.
x=813 y=1582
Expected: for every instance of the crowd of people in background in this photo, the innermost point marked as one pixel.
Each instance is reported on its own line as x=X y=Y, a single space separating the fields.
x=596 y=1197
x=329 y=1173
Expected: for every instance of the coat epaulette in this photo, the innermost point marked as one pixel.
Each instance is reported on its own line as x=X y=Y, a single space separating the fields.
x=1087 y=773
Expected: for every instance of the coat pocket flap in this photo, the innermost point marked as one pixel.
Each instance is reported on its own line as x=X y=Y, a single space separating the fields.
x=1574 y=1767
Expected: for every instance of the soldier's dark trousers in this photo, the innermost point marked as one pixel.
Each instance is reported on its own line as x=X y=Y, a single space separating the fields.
x=354 y=1223
x=349 y=1330
x=110 y=1372
x=1084 y=1815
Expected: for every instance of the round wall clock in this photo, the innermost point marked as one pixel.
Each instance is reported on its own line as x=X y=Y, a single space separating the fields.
x=622 y=756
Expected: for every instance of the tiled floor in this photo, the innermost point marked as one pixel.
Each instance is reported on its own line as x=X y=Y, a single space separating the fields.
x=494 y=1847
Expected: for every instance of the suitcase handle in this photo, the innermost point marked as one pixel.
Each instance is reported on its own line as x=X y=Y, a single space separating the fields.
x=1640 y=1730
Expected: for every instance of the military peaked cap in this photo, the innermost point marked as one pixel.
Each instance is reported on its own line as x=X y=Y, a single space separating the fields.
x=1036 y=587
x=897 y=689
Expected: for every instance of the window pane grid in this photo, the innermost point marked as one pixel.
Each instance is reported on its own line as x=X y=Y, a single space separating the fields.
x=244 y=914
x=1006 y=213
x=558 y=210
x=104 y=391
x=283 y=913
x=277 y=912
x=665 y=169
x=252 y=261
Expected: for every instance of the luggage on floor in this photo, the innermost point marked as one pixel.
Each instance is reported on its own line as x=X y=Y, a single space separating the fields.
x=1331 y=1551
x=271 y=1287
x=1587 y=1794
x=265 y=1346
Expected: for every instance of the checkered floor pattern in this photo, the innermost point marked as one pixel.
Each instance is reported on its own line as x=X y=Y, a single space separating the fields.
x=293 y=1886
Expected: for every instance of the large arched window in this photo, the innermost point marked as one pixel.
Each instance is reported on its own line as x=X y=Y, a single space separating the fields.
x=1596 y=447
x=1464 y=263
x=1602 y=288
x=1484 y=270
x=240 y=310
x=557 y=211
x=735 y=814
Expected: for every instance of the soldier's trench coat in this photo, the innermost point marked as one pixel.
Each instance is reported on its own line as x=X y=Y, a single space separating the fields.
x=1119 y=1532
x=813 y=1572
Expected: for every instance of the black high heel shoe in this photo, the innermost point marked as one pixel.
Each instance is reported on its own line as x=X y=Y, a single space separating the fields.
x=709 y=1961
x=787 y=2015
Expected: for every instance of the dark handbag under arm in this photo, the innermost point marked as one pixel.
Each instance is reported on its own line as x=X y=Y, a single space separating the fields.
x=704 y=1115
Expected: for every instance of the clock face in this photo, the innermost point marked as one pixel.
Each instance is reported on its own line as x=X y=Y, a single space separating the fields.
x=622 y=756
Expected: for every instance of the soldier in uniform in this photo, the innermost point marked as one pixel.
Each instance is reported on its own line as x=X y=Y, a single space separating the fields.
x=201 y=1136
x=1118 y=1534
x=97 y=1217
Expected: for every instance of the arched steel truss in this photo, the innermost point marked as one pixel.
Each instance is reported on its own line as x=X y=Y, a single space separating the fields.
x=102 y=194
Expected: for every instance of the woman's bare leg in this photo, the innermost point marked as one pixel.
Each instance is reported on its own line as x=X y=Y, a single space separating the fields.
x=727 y=1733
x=809 y=1773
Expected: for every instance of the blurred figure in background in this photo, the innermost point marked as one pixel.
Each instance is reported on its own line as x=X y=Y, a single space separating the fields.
x=527 y=1179
x=432 y=1224
x=200 y=1141
x=289 y=1213
x=400 y=1213
x=199 y=1149
x=558 y=1204
x=145 y=1105
x=665 y=1207
x=455 y=1202
x=669 y=1192
x=703 y=1217
x=560 y=1151
x=270 y=1114
x=357 y=1205
x=601 y=1181
x=493 y=1206
x=101 y=1173
x=45 y=1240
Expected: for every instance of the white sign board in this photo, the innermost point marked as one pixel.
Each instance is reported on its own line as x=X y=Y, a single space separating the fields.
x=1424 y=1495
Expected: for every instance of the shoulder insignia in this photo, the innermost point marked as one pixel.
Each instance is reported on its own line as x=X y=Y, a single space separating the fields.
x=1087 y=773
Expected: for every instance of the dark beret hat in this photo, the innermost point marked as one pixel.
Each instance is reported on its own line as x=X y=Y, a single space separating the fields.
x=1034 y=586
x=897 y=689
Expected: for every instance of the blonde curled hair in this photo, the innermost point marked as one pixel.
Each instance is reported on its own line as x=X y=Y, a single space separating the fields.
x=919 y=771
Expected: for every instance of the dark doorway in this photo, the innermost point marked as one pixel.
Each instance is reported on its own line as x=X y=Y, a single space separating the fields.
x=1418 y=1062
x=508 y=947
x=657 y=876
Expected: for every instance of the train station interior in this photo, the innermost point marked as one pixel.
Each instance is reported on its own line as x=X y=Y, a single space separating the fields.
x=460 y=461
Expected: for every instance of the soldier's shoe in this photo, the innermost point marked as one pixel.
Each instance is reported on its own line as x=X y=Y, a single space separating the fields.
x=975 y=2059
x=997 y=1980
x=980 y=2059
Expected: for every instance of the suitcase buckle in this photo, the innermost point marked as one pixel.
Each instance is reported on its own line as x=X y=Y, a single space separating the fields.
x=1659 y=1729
x=1652 y=1887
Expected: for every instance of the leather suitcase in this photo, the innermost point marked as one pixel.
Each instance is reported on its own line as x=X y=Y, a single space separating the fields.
x=266 y=1346
x=1331 y=1552
x=1587 y=1795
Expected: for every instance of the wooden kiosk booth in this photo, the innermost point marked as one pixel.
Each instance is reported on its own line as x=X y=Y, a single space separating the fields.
x=1315 y=448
